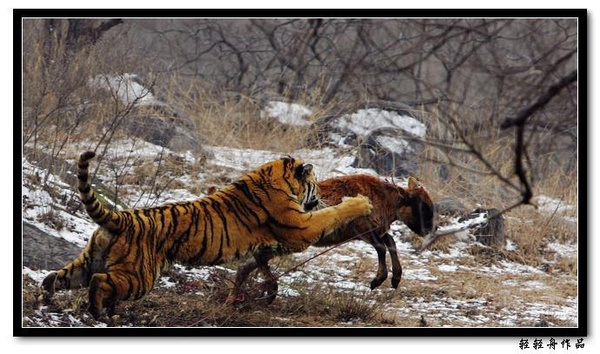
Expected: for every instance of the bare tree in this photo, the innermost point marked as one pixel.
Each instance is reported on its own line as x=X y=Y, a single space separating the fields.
x=473 y=73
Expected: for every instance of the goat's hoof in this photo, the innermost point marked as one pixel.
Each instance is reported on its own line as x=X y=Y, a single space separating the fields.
x=376 y=282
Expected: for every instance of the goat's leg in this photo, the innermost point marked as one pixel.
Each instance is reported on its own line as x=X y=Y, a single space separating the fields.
x=379 y=246
x=396 y=267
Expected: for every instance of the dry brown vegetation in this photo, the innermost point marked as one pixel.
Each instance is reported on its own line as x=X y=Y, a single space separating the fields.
x=480 y=88
x=453 y=299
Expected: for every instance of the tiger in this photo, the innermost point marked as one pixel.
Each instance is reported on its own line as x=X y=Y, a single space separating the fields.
x=412 y=205
x=126 y=254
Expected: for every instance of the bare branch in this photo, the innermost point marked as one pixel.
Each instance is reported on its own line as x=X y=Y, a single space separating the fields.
x=550 y=93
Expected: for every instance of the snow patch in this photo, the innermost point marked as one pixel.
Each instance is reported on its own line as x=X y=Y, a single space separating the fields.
x=550 y=205
x=526 y=285
x=564 y=250
x=127 y=87
x=37 y=275
x=287 y=113
x=456 y=224
x=202 y=273
x=418 y=274
x=41 y=209
x=393 y=144
x=510 y=245
x=536 y=311
x=556 y=206
x=285 y=290
x=166 y=283
x=448 y=268
x=509 y=268
x=365 y=121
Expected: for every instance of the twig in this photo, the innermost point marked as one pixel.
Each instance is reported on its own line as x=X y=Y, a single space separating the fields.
x=433 y=237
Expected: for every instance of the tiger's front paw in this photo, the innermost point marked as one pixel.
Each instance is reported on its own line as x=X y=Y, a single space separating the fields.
x=48 y=286
x=360 y=203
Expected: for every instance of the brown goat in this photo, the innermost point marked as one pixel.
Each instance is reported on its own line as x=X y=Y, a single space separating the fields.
x=413 y=206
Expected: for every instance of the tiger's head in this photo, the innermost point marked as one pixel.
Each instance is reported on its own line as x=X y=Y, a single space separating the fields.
x=415 y=208
x=301 y=181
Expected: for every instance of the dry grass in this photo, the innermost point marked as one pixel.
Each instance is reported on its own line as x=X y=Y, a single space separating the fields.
x=466 y=297
x=198 y=304
x=55 y=116
x=228 y=119
x=471 y=182
x=194 y=303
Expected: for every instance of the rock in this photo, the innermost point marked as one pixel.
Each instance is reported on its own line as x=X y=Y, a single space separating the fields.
x=491 y=233
x=324 y=133
x=163 y=132
x=166 y=126
x=152 y=128
x=43 y=251
x=129 y=88
x=184 y=141
x=450 y=207
x=390 y=152
x=386 y=141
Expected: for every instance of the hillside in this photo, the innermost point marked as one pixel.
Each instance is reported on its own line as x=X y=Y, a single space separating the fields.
x=483 y=111
x=456 y=283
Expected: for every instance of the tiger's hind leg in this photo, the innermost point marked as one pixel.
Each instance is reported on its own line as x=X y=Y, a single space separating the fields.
x=102 y=293
x=396 y=266
x=107 y=288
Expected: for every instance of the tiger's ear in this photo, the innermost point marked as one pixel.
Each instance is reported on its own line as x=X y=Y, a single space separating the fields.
x=302 y=171
x=413 y=183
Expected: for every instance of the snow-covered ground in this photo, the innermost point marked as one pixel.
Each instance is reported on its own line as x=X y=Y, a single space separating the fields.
x=428 y=289
x=555 y=206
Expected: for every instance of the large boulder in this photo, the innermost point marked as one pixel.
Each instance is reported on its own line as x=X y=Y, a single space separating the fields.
x=164 y=132
x=387 y=141
x=151 y=119
x=450 y=207
x=128 y=88
x=390 y=152
x=44 y=251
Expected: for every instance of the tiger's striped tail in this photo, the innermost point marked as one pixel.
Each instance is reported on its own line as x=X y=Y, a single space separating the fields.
x=106 y=218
